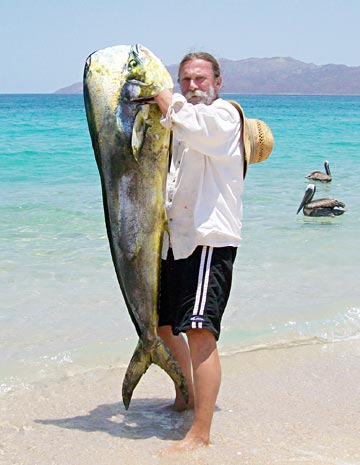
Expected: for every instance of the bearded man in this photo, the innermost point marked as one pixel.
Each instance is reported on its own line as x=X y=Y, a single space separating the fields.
x=204 y=209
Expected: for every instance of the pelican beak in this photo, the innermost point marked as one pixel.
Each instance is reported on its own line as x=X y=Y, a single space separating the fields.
x=309 y=193
x=302 y=204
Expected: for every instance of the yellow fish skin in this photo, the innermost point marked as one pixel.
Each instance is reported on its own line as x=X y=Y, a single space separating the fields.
x=131 y=150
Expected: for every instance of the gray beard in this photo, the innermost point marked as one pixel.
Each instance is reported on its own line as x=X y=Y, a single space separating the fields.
x=202 y=97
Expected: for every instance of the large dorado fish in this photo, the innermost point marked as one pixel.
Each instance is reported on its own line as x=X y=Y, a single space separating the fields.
x=131 y=150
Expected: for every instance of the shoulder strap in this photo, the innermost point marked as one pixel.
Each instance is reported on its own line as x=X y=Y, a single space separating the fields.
x=170 y=150
x=242 y=119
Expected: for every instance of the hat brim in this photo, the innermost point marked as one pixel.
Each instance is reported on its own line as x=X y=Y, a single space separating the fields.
x=257 y=138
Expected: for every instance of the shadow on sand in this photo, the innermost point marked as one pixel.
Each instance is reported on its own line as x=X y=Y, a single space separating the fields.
x=145 y=418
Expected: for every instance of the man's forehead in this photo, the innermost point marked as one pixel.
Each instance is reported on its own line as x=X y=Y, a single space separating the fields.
x=196 y=66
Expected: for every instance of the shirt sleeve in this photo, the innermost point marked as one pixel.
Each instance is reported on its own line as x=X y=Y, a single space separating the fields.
x=210 y=129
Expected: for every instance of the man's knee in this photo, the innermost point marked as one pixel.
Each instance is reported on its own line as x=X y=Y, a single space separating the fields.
x=164 y=330
x=201 y=340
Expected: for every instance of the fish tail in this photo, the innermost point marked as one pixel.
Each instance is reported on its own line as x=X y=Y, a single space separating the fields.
x=140 y=362
x=165 y=360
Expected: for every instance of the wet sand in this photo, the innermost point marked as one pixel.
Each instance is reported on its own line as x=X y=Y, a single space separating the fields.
x=281 y=406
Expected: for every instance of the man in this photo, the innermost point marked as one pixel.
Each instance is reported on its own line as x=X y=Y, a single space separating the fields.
x=204 y=209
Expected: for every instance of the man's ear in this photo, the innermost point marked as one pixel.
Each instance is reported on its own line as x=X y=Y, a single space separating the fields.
x=218 y=83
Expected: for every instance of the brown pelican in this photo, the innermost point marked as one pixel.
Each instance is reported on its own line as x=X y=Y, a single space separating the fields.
x=319 y=176
x=319 y=207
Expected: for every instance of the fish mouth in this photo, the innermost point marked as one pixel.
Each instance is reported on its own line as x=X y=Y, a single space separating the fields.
x=131 y=98
x=139 y=100
x=136 y=82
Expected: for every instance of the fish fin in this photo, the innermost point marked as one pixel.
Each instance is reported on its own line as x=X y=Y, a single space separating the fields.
x=139 y=131
x=140 y=362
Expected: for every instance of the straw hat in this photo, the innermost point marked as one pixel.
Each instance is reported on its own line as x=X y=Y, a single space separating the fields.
x=257 y=138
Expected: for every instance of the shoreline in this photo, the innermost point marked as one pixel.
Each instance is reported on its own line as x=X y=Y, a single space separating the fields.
x=287 y=405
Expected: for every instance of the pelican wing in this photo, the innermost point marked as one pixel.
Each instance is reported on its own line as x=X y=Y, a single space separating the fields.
x=325 y=203
x=318 y=176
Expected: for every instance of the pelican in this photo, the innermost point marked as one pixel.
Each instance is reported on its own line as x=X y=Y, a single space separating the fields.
x=319 y=176
x=319 y=207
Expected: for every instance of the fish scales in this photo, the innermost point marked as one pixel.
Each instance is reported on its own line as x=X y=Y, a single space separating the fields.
x=131 y=150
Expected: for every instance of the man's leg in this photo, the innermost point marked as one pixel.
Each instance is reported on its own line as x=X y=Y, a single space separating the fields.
x=207 y=378
x=180 y=351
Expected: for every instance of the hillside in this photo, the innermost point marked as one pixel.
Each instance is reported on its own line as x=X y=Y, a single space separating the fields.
x=276 y=75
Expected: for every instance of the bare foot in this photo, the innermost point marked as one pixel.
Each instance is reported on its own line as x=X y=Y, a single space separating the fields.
x=178 y=406
x=185 y=445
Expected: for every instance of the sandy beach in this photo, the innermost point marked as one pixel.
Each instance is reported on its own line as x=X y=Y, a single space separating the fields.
x=281 y=406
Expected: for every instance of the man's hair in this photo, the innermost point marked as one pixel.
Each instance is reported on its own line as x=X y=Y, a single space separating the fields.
x=202 y=56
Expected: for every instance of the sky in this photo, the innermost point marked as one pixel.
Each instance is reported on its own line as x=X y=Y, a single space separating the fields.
x=45 y=43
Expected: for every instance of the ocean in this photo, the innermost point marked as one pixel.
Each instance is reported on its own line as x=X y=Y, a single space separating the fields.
x=62 y=312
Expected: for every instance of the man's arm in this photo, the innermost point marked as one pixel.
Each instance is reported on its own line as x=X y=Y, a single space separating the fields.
x=164 y=100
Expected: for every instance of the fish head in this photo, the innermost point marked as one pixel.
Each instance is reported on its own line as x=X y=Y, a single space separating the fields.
x=119 y=85
x=145 y=75
x=123 y=75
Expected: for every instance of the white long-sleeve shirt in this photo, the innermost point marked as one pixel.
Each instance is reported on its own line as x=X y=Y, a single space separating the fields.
x=205 y=181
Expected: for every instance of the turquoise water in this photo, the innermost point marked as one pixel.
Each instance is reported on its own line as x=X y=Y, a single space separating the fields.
x=296 y=278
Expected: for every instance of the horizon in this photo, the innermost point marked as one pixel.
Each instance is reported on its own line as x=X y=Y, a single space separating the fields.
x=79 y=82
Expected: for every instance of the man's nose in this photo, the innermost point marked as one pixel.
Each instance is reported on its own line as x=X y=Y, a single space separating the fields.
x=192 y=85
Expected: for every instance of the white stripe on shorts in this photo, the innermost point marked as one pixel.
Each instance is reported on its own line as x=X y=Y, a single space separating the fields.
x=202 y=286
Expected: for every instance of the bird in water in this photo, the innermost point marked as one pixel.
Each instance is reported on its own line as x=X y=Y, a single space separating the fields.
x=320 y=207
x=319 y=175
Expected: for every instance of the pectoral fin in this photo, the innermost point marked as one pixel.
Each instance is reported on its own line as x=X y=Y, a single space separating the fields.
x=140 y=127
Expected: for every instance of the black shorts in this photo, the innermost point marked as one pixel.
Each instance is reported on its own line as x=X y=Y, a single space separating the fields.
x=194 y=291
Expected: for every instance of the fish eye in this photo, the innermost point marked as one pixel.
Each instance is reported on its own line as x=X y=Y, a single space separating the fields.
x=132 y=64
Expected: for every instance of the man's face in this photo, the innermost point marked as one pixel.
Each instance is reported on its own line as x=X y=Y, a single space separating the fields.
x=197 y=82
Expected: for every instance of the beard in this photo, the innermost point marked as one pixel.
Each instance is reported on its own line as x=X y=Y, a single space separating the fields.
x=199 y=96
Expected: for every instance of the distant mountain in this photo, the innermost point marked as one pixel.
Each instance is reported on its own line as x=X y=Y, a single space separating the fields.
x=76 y=88
x=278 y=75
